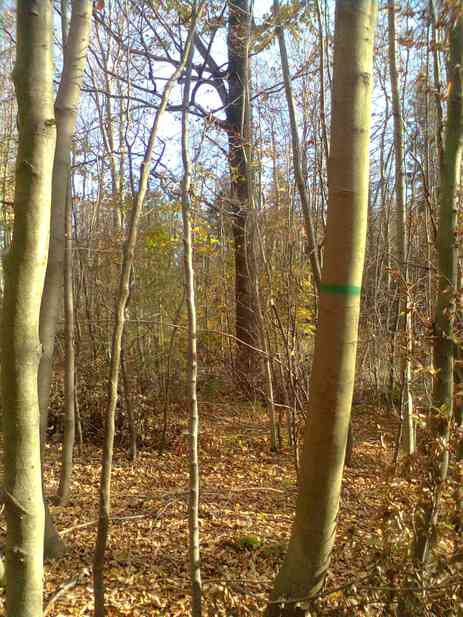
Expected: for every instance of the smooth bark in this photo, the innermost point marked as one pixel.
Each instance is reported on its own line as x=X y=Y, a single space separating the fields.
x=66 y=107
x=24 y=269
x=67 y=453
x=332 y=379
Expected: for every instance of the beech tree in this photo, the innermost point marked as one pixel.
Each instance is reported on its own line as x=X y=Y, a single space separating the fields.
x=450 y=175
x=403 y=307
x=155 y=334
x=332 y=379
x=66 y=107
x=24 y=269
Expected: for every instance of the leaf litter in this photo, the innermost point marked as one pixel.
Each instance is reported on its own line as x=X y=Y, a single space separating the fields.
x=247 y=504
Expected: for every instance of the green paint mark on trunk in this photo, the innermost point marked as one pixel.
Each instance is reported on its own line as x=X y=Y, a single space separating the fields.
x=345 y=290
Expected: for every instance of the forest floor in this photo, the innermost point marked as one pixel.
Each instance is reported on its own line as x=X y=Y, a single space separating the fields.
x=248 y=496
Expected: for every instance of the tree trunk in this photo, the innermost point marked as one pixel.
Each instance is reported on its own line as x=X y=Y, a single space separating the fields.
x=193 y=505
x=120 y=306
x=333 y=372
x=69 y=373
x=409 y=444
x=66 y=107
x=128 y=404
x=25 y=268
x=296 y=148
x=444 y=344
x=239 y=143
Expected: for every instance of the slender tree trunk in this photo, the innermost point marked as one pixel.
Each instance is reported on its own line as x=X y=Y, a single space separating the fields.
x=25 y=268
x=450 y=174
x=275 y=438
x=437 y=82
x=296 y=148
x=121 y=303
x=128 y=405
x=193 y=506
x=69 y=371
x=409 y=444
x=444 y=344
x=333 y=372
x=66 y=106
x=321 y=48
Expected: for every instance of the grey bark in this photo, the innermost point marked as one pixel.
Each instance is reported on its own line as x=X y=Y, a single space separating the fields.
x=332 y=378
x=66 y=107
x=194 y=478
x=24 y=280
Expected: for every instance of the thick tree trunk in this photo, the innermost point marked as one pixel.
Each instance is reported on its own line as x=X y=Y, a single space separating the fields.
x=239 y=143
x=333 y=371
x=24 y=280
x=66 y=107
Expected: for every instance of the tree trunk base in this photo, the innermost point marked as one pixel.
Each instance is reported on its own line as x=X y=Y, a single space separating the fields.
x=286 y=610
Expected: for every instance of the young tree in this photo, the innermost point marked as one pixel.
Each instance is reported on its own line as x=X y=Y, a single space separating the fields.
x=25 y=268
x=403 y=307
x=296 y=148
x=67 y=453
x=444 y=343
x=66 y=107
x=450 y=173
x=116 y=343
x=193 y=506
x=332 y=379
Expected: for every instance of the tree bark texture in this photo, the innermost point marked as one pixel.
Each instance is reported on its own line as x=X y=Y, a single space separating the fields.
x=193 y=505
x=239 y=143
x=67 y=453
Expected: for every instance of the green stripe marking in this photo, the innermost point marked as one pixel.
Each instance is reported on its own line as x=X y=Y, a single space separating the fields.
x=345 y=290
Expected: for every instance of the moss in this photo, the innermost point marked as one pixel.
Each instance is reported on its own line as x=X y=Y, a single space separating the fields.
x=249 y=542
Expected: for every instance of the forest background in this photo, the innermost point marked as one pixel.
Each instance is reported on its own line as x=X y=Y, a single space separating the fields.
x=248 y=184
